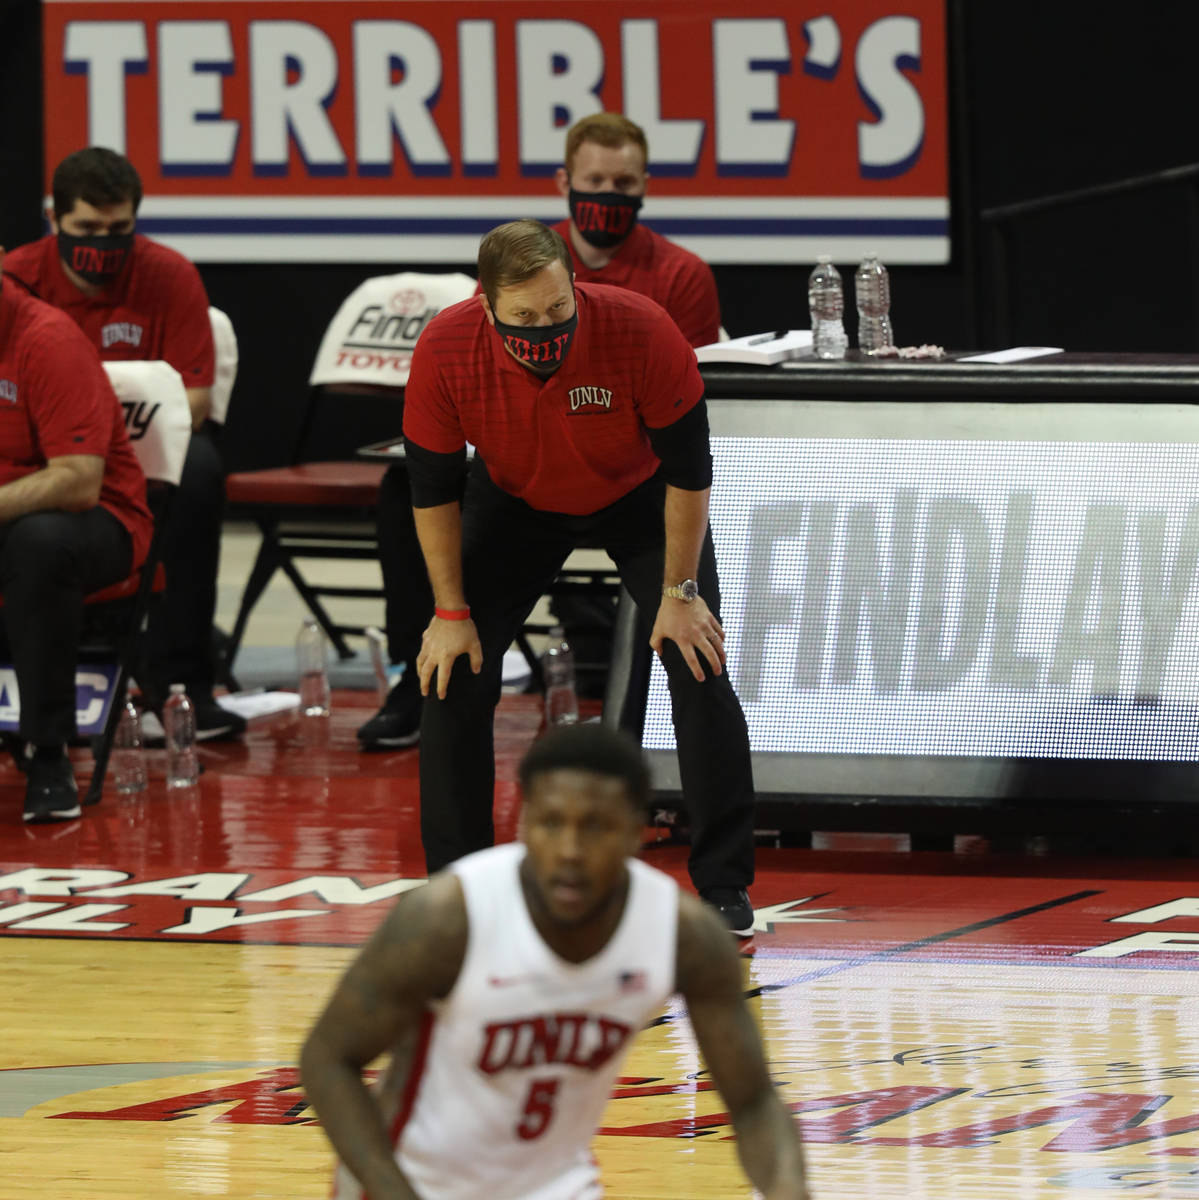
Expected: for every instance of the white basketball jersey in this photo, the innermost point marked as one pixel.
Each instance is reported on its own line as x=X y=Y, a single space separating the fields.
x=513 y=1071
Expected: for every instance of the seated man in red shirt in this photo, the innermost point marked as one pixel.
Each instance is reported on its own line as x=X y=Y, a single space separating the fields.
x=586 y=410
x=135 y=299
x=73 y=519
x=604 y=181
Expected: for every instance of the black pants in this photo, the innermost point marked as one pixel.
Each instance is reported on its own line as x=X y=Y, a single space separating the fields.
x=179 y=644
x=48 y=562
x=408 y=598
x=511 y=554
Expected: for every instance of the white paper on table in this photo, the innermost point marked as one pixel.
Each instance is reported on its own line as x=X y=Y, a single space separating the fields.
x=258 y=704
x=1015 y=354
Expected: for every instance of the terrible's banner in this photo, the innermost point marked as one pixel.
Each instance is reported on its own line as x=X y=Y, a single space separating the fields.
x=402 y=130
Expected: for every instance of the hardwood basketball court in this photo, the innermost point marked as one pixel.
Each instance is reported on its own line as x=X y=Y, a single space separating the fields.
x=943 y=1025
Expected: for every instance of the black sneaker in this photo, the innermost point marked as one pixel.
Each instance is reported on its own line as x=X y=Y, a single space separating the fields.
x=216 y=724
x=734 y=908
x=397 y=723
x=50 y=790
x=213 y=724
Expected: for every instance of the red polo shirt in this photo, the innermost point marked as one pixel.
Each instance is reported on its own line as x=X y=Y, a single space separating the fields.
x=575 y=442
x=55 y=400
x=681 y=282
x=155 y=309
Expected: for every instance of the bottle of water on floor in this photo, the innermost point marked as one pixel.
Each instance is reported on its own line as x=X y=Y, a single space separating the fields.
x=826 y=303
x=312 y=665
x=179 y=727
x=558 y=669
x=872 y=291
x=128 y=752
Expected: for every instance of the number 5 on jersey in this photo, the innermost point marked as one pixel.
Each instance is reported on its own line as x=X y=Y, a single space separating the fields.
x=539 y=1108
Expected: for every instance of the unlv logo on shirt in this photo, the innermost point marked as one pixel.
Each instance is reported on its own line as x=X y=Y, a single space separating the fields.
x=121 y=332
x=581 y=396
x=8 y=391
x=576 y=1039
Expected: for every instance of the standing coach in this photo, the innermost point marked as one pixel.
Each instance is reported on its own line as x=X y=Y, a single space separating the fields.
x=586 y=409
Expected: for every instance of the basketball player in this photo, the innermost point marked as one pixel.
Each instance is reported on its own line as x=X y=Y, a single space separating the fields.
x=508 y=989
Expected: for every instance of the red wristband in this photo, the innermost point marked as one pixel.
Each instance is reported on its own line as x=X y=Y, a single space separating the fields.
x=452 y=614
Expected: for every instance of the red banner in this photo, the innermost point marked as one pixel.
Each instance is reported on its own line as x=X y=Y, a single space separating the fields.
x=307 y=120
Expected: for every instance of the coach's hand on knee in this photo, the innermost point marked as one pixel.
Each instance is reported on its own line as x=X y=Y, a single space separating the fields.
x=442 y=643
x=693 y=628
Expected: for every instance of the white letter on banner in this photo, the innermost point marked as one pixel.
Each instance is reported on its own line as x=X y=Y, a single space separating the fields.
x=1188 y=907
x=560 y=68
x=192 y=57
x=41 y=881
x=280 y=107
x=1149 y=942
x=477 y=97
x=891 y=144
x=10 y=697
x=674 y=145
x=105 y=51
x=210 y=920
x=78 y=917
x=98 y=684
x=749 y=56
x=380 y=48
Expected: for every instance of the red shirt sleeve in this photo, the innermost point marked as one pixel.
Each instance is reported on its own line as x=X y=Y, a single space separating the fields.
x=673 y=386
x=694 y=303
x=430 y=414
x=187 y=342
x=70 y=399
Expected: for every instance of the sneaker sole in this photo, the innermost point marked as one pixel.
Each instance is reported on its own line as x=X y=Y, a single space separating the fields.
x=393 y=743
x=59 y=814
x=212 y=735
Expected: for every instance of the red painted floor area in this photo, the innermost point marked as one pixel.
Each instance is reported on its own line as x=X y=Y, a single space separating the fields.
x=297 y=837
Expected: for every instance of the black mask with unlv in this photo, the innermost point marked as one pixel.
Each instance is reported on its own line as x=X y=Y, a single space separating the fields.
x=604 y=219
x=96 y=259
x=542 y=348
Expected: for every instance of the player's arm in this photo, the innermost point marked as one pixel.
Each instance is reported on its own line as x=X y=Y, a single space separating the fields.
x=413 y=957
x=199 y=400
x=437 y=511
x=708 y=976
x=70 y=483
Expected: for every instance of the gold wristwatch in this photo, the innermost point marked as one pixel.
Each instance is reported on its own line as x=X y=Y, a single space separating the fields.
x=685 y=591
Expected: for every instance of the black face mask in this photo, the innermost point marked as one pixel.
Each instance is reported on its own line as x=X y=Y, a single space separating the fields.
x=97 y=260
x=541 y=348
x=604 y=219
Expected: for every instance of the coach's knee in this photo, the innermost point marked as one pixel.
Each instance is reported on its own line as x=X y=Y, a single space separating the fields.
x=40 y=546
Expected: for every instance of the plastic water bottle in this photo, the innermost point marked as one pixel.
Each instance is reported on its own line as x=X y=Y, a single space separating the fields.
x=128 y=752
x=311 y=659
x=826 y=303
x=872 y=291
x=558 y=669
x=179 y=726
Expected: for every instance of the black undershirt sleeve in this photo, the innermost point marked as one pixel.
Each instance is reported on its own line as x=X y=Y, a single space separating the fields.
x=684 y=450
x=435 y=478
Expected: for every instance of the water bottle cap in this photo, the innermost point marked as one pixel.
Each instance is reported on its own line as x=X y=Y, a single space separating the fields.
x=824 y=258
x=177 y=689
